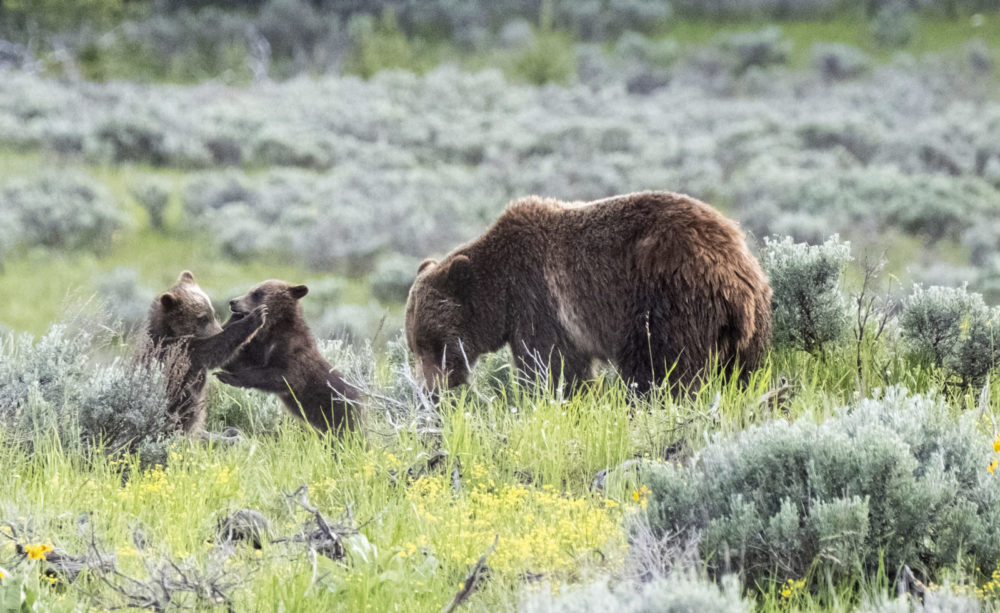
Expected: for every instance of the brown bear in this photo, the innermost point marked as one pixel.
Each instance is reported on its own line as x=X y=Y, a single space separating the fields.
x=657 y=283
x=186 y=338
x=283 y=359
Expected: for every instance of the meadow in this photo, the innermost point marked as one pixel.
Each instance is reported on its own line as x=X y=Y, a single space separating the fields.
x=858 y=144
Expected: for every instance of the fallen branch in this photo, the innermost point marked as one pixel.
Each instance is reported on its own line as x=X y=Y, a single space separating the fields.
x=478 y=573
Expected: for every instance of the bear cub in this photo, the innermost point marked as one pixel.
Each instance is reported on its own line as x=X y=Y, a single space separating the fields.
x=659 y=284
x=186 y=338
x=283 y=359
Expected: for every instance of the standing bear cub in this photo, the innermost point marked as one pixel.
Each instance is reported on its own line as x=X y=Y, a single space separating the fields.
x=186 y=338
x=657 y=283
x=283 y=359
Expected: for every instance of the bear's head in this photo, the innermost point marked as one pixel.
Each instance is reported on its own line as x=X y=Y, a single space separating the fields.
x=442 y=327
x=184 y=310
x=281 y=299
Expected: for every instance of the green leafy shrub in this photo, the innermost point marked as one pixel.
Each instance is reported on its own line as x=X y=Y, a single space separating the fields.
x=809 y=310
x=378 y=45
x=952 y=328
x=549 y=58
x=674 y=594
x=895 y=480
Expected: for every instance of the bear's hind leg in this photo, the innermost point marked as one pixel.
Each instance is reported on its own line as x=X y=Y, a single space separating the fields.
x=651 y=350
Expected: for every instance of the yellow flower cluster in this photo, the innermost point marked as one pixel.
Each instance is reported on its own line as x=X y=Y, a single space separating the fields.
x=791 y=587
x=992 y=466
x=991 y=589
x=641 y=496
x=37 y=552
x=539 y=529
x=155 y=482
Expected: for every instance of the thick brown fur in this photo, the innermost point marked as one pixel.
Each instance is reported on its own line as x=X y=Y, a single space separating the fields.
x=647 y=281
x=283 y=359
x=186 y=338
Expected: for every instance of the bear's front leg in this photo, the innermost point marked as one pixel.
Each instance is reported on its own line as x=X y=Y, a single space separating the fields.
x=264 y=379
x=214 y=350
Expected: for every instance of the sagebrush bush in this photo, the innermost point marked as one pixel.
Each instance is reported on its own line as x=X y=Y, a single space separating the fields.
x=808 y=308
x=952 y=328
x=939 y=600
x=756 y=8
x=252 y=412
x=153 y=196
x=760 y=48
x=66 y=211
x=894 y=23
x=675 y=594
x=55 y=387
x=392 y=278
x=895 y=480
x=125 y=297
x=839 y=61
x=905 y=148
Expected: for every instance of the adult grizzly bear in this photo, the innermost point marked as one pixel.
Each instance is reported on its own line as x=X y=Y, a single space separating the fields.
x=648 y=281
x=186 y=338
x=283 y=359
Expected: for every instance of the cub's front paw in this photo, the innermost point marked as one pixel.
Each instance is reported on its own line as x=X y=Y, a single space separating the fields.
x=258 y=316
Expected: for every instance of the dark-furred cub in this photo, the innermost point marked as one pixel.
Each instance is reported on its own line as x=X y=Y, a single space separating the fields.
x=283 y=359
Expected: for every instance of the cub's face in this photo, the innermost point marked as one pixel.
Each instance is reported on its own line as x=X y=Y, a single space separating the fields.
x=436 y=329
x=187 y=309
x=280 y=297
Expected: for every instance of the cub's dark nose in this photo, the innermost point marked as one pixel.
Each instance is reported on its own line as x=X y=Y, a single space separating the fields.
x=232 y=304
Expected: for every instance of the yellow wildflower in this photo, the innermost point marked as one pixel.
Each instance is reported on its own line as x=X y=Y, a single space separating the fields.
x=640 y=495
x=992 y=466
x=791 y=587
x=37 y=552
x=996 y=444
x=3 y=573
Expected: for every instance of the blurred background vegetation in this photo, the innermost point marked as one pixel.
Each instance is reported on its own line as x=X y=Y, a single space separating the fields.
x=337 y=142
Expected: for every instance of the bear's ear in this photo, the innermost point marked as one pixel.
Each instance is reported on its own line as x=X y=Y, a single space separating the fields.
x=460 y=274
x=298 y=291
x=168 y=301
x=186 y=276
x=426 y=264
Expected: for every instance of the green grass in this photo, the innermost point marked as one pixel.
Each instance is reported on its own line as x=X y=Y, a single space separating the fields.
x=517 y=466
x=933 y=34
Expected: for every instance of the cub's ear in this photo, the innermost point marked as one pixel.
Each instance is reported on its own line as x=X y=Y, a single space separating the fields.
x=187 y=276
x=168 y=301
x=460 y=274
x=426 y=264
x=298 y=291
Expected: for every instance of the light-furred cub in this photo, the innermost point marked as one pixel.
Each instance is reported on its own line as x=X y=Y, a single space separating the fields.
x=186 y=338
